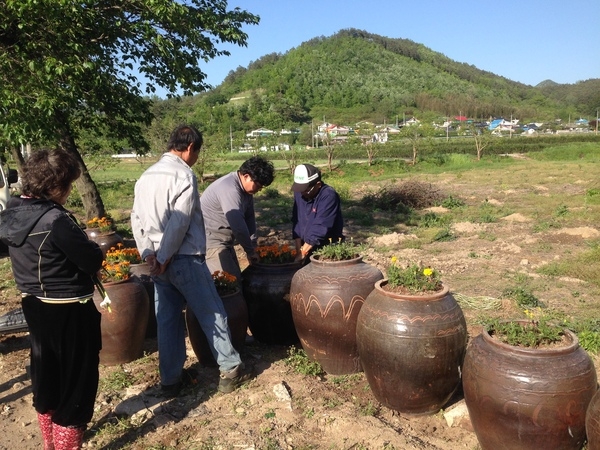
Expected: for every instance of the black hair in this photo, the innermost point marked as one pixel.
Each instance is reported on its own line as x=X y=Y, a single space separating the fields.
x=259 y=169
x=183 y=136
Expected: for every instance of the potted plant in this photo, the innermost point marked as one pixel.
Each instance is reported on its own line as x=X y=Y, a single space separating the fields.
x=266 y=288
x=592 y=423
x=123 y=302
x=527 y=385
x=229 y=290
x=411 y=335
x=102 y=231
x=139 y=269
x=326 y=297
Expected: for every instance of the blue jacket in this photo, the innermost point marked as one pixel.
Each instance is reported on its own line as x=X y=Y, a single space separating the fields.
x=318 y=220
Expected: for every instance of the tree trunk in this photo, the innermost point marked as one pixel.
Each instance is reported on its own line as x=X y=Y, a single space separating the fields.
x=18 y=157
x=92 y=202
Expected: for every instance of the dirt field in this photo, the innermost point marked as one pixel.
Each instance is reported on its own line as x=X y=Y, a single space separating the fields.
x=281 y=409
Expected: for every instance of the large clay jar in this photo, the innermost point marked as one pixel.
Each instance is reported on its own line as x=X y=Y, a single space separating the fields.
x=237 y=319
x=326 y=297
x=528 y=398
x=411 y=348
x=124 y=326
x=142 y=271
x=266 y=288
x=105 y=239
x=592 y=423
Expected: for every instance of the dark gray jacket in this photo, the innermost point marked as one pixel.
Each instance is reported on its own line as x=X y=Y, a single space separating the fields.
x=52 y=258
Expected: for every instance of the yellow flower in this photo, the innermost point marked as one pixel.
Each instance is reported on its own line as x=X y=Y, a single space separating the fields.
x=394 y=259
x=427 y=271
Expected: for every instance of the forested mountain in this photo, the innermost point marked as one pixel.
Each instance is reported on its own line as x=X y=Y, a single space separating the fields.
x=355 y=75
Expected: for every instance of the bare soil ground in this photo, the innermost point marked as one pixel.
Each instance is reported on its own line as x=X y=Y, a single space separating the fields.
x=281 y=409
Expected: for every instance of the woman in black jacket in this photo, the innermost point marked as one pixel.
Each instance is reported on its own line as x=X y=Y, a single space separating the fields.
x=53 y=262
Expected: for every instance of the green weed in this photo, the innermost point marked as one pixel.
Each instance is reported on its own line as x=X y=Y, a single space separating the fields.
x=522 y=297
x=299 y=362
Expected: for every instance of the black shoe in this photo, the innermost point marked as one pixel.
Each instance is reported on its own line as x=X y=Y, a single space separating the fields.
x=189 y=377
x=230 y=381
x=170 y=390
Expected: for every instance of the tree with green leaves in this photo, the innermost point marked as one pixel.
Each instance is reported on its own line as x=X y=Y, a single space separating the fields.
x=482 y=137
x=416 y=136
x=68 y=67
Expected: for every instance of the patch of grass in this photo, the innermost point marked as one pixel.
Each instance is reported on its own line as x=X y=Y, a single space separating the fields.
x=114 y=427
x=522 y=296
x=411 y=243
x=444 y=235
x=118 y=380
x=451 y=202
x=332 y=402
x=431 y=219
x=592 y=197
x=369 y=409
x=484 y=235
x=346 y=381
x=590 y=340
x=585 y=266
x=561 y=211
x=299 y=362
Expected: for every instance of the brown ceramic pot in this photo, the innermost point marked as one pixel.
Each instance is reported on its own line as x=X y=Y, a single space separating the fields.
x=528 y=398
x=124 y=327
x=266 y=288
x=105 y=239
x=411 y=348
x=592 y=423
x=237 y=319
x=326 y=297
x=142 y=271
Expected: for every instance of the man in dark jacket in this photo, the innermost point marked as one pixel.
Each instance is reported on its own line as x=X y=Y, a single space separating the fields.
x=316 y=214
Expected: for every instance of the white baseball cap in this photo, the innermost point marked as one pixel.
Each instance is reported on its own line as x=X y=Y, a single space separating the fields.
x=305 y=175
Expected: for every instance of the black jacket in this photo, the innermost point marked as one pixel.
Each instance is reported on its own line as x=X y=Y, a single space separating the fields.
x=52 y=258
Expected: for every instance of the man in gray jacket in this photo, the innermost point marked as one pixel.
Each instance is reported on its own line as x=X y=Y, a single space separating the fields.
x=169 y=233
x=228 y=211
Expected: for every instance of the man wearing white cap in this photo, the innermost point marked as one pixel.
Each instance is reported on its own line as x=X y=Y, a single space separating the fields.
x=317 y=214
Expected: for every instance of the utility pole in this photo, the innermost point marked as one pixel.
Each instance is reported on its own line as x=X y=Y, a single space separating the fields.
x=230 y=139
x=596 y=121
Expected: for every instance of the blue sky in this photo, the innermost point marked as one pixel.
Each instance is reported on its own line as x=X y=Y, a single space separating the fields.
x=527 y=42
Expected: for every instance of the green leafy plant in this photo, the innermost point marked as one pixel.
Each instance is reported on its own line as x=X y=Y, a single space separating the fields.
x=414 y=278
x=522 y=296
x=339 y=251
x=298 y=360
x=526 y=333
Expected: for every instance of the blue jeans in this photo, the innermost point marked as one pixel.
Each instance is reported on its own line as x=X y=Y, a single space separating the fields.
x=187 y=280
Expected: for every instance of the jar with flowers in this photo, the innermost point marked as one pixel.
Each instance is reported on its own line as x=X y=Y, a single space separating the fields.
x=123 y=302
x=266 y=288
x=326 y=297
x=412 y=335
x=527 y=384
x=139 y=269
x=229 y=290
x=102 y=231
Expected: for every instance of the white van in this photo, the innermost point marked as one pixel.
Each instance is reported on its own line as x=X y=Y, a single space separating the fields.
x=7 y=178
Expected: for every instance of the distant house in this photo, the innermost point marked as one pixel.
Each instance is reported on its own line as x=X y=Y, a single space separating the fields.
x=392 y=129
x=412 y=121
x=260 y=132
x=335 y=130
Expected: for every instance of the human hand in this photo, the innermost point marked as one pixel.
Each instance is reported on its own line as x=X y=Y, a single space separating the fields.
x=253 y=258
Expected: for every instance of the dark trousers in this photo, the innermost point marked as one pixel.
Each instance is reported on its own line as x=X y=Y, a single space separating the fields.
x=65 y=347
